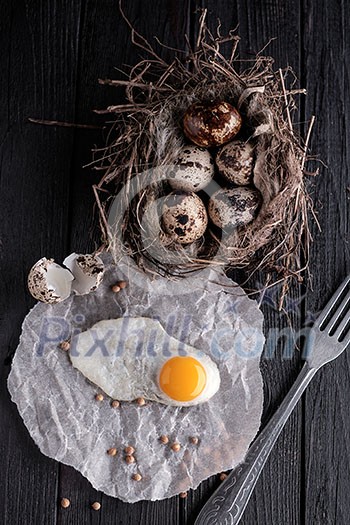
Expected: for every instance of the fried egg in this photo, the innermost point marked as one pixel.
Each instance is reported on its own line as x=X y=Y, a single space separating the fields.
x=134 y=357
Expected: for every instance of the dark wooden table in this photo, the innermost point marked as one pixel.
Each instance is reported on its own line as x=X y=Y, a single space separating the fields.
x=52 y=54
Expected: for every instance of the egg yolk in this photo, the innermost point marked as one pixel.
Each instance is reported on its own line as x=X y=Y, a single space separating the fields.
x=182 y=378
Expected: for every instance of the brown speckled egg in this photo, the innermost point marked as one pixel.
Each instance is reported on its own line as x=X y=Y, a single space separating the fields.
x=211 y=124
x=49 y=282
x=193 y=169
x=229 y=208
x=184 y=216
x=235 y=162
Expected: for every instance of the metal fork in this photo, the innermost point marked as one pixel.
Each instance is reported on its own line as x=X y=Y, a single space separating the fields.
x=328 y=338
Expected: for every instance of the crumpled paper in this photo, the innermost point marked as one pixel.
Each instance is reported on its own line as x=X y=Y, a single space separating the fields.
x=58 y=406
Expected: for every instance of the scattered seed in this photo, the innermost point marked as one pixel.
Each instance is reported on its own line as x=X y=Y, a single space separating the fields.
x=112 y=451
x=122 y=284
x=96 y=505
x=175 y=447
x=140 y=401
x=115 y=288
x=115 y=404
x=136 y=477
x=129 y=450
x=65 y=345
x=194 y=440
x=164 y=439
x=183 y=495
x=99 y=397
x=223 y=476
x=129 y=459
x=65 y=503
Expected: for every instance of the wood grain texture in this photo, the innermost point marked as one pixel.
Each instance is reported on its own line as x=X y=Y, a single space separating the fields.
x=53 y=54
x=34 y=213
x=327 y=409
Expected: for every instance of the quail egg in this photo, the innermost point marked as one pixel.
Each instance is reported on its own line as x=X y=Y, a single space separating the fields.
x=235 y=162
x=49 y=282
x=184 y=216
x=134 y=357
x=211 y=123
x=87 y=271
x=229 y=208
x=193 y=170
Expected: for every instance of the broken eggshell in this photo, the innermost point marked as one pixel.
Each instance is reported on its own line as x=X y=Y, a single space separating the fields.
x=49 y=282
x=87 y=271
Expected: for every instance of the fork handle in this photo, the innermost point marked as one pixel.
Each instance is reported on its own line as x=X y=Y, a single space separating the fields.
x=226 y=506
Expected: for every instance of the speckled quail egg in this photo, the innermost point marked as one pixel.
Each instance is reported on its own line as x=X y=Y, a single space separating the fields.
x=235 y=162
x=49 y=282
x=193 y=169
x=211 y=123
x=184 y=216
x=87 y=270
x=229 y=208
x=134 y=357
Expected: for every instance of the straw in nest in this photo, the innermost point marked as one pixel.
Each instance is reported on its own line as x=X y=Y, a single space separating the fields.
x=147 y=135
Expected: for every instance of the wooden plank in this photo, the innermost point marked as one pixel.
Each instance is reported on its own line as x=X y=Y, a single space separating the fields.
x=104 y=44
x=35 y=166
x=277 y=496
x=327 y=412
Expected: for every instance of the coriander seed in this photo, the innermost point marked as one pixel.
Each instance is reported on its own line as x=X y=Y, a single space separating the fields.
x=129 y=459
x=99 y=397
x=65 y=346
x=136 y=477
x=65 y=503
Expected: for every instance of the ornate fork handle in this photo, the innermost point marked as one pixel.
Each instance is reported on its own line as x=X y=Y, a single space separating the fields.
x=227 y=504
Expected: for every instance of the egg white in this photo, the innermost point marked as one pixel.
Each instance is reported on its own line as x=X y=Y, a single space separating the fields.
x=124 y=358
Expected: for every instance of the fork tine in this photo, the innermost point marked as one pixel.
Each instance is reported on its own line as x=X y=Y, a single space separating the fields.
x=338 y=313
x=342 y=326
x=346 y=340
x=330 y=305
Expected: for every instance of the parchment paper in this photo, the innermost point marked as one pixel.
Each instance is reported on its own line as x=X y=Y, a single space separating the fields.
x=58 y=406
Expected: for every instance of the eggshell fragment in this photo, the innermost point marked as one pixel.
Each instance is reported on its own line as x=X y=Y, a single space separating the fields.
x=87 y=271
x=49 y=282
x=184 y=216
x=211 y=123
x=235 y=162
x=230 y=208
x=193 y=169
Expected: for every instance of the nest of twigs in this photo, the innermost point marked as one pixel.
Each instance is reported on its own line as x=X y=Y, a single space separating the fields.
x=147 y=135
